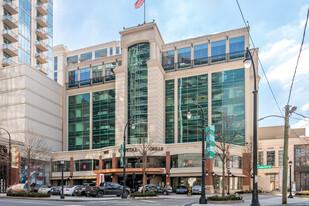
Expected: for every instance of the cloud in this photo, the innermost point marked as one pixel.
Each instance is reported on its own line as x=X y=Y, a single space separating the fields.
x=305 y=107
x=302 y=124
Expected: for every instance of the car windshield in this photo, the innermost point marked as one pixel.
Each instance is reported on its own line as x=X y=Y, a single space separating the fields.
x=181 y=187
x=196 y=186
x=69 y=186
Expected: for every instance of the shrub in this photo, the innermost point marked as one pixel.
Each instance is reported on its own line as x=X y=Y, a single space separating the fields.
x=147 y=194
x=302 y=193
x=25 y=194
x=230 y=197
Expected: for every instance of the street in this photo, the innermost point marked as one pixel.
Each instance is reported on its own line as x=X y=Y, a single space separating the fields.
x=176 y=200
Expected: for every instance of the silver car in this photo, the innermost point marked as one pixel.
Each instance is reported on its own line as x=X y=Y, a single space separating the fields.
x=197 y=189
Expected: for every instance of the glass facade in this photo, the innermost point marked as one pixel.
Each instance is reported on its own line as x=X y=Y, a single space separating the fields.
x=184 y=57
x=86 y=165
x=138 y=55
x=24 y=31
x=103 y=118
x=55 y=63
x=218 y=51
x=73 y=78
x=72 y=60
x=186 y=160
x=271 y=157
x=301 y=156
x=49 y=41
x=100 y=53
x=85 y=76
x=192 y=90
x=79 y=110
x=237 y=47
x=86 y=56
x=169 y=111
x=109 y=71
x=97 y=74
x=168 y=60
x=111 y=51
x=201 y=54
x=56 y=166
x=228 y=95
x=117 y=50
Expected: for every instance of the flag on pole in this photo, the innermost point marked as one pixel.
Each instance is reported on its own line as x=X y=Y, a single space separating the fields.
x=139 y=3
x=15 y=157
x=121 y=155
x=210 y=142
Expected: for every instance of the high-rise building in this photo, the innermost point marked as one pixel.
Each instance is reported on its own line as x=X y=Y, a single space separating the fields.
x=27 y=35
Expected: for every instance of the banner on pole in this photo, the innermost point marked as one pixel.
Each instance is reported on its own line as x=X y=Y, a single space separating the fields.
x=121 y=155
x=210 y=142
x=15 y=157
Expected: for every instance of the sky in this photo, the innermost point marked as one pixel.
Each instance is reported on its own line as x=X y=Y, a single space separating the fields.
x=276 y=27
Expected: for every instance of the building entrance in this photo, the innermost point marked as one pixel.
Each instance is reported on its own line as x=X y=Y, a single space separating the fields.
x=3 y=168
x=302 y=181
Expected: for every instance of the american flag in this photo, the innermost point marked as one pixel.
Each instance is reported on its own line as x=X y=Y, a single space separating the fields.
x=139 y=3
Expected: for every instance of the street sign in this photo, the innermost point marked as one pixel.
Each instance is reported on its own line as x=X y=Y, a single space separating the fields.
x=264 y=166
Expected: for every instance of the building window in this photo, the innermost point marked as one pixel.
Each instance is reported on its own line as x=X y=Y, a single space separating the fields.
x=85 y=57
x=55 y=76
x=56 y=166
x=237 y=47
x=218 y=51
x=217 y=162
x=201 y=54
x=109 y=71
x=85 y=76
x=103 y=118
x=191 y=90
x=79 y=112
x=281 y=158
x=169 y=111
x=168 y=60
x=184 y=57
x=100 y=53
x=186 y=160
x=72 y=60
x=111 y=51
x=55 y=63
x=301 y=157
x=271 y=158
x=73 y=78
x=236 y=162
x=138 y=55
x=86 y=165
x=117 y=50
x=228 y=95
x=97 y=74
x=261 y=160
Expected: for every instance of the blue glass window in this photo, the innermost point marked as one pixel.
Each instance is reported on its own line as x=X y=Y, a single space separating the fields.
x=218 y=51
x=111 y=51
x=117 y=50
x=55 y=76
x=201 y=54
x=168 y=60
x=237 y=47
x=72 y=60
x=55 y=63
x=73 y=78
x=85 y=57
x=100 y=53
x=85 y=76
x=184 y=57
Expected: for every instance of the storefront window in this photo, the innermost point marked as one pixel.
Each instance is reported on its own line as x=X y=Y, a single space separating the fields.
x=186 y=160
x=236 y=162
x=56 y=166
x=86 y=165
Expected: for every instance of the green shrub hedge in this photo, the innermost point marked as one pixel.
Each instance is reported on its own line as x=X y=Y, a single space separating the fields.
x=230 y=197
x=147 y=194
x=25 y=194
x=302 y=193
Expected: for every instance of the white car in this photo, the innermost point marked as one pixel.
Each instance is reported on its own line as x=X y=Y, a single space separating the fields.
x=197 y=189
x=69 y=190
x=45 y=189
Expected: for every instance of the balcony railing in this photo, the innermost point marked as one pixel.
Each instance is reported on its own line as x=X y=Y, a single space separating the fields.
x=10 y=6
x=10 y=21
x=41 y=57
x=41 y=45
x=90 y=82
x=41 y=8
x=41 y=20
x=10 y=35
x=9 y=49
x=41 y=33
x=7 y=62
x=228 y=57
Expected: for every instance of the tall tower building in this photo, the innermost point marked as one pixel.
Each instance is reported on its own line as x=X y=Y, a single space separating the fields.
x=27 y=35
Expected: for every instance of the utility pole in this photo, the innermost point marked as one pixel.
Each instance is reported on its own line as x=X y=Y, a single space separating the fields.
x=285 y=152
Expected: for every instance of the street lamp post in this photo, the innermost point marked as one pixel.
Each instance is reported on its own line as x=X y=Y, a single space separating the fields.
x=203 y=199
x=62 y=166
x=247 y=63
x=124 y=194
x=228 y=179
x=10 y=157
x=290 y=163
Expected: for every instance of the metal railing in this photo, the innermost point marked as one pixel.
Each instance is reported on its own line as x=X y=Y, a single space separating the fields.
x=89 y=82
x=10 y=47
x=10 y=32
x=233 y=56
x=7 y=61
x=9 y=2
x=9 y=17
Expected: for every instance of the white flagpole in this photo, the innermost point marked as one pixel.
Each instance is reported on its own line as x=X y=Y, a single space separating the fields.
x=145 y=12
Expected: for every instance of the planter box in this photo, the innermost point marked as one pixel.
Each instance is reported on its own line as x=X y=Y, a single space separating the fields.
x=225 y=202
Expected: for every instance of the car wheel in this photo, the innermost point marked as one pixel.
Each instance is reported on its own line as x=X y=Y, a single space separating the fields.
x=127 y=193
x=164 y=193
x=87 y=195
x=100 y=194
x=118 y=195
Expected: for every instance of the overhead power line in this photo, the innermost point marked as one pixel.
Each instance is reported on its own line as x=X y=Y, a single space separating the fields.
x=300 y=50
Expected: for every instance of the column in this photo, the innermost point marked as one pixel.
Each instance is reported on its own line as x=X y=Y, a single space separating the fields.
x=167 y=168
x=246 y=171
x=114 y=166
x=71 y=171
x=100 y=162
x=209 y=178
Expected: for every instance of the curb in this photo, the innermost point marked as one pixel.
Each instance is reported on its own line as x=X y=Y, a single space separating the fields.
x=50 y=199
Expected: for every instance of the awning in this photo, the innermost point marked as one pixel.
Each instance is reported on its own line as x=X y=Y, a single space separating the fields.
x=130 y=171
x=74 y=178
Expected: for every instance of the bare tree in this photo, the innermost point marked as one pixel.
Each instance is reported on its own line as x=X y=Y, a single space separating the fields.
x=34 y=152
x=226 y=132
x=249 y=167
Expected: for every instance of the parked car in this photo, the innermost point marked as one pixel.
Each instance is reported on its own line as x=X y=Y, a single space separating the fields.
x=154 y=188
x=106 y=188
x=45 y=190
x=169 y=188
x=181 y=190
x=35 y=188
x=56 y=190
x=197 y=189
x=80 y=191
x=70 y=190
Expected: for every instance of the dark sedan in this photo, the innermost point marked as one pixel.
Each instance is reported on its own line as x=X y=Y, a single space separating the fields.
x=181 y=190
